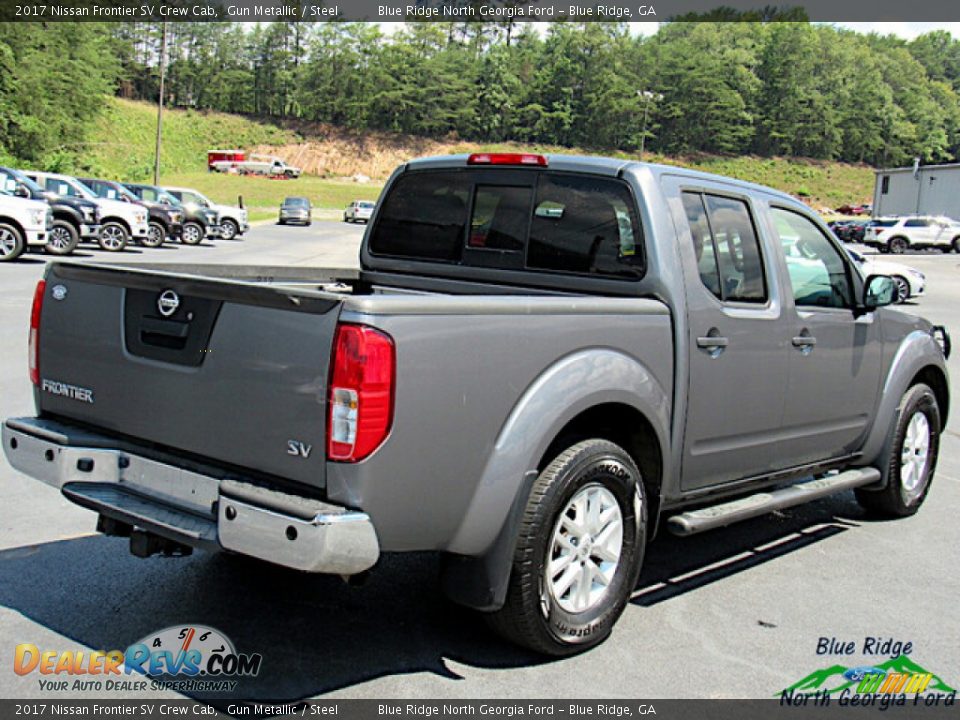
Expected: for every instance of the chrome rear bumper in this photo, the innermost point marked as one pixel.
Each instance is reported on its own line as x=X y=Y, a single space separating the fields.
x=191 y=507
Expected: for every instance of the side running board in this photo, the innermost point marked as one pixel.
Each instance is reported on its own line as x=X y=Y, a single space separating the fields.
x=708 y=518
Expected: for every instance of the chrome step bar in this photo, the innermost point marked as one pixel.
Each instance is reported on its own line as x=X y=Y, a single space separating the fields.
x=714 y=516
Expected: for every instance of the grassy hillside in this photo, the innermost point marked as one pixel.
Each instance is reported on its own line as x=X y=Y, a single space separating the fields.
x=120 y=145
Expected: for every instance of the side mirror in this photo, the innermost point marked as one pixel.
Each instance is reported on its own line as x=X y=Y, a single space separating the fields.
x=22 y=191
x=879 y=290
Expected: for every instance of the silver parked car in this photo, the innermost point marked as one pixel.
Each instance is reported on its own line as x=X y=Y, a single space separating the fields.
x=359 y=211
x=296 y=210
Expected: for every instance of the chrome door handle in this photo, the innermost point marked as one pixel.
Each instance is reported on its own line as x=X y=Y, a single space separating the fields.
x=712 y=342
x=804 y=341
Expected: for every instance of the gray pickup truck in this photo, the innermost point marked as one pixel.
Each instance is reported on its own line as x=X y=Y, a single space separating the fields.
x=542 y=360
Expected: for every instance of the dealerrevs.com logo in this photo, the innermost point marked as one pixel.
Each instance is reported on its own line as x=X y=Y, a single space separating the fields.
x=184 y=658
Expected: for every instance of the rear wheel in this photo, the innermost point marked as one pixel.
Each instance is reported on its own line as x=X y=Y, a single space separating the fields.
x=113 y=237
x=912 y=458
x=955 y=244
x=63 y=238
x=12 y=243
x=897 y=245
x=579 y=551
x=192 y=233
x=229 y=230
x=903 y=288
x=156 y=234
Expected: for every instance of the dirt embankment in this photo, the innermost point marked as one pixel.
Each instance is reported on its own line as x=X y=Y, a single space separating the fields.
x=333 y=152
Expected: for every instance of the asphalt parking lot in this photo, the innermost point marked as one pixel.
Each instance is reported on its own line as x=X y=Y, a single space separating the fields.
x=736 y=612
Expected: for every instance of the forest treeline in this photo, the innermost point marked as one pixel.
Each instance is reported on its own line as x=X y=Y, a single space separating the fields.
x=765 y=88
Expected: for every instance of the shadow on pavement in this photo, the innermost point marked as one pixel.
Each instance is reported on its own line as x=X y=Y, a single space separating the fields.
x=317 y=634
x=674 y=566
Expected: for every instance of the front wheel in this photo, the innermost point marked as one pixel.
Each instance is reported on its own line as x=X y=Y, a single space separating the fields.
x=192 y=233
x=579 y=551
x=113 y=237
x=62 y=239
x=12 y=243
x=156 y=234
x=897 y=245
x=903 y=288
x=912 y=457
x=229 y=230
x=955 y=244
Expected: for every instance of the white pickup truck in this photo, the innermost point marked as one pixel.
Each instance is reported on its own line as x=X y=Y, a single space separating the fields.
x=22 y=223
x=257 y=165
x=234 y=221
x=120 y=221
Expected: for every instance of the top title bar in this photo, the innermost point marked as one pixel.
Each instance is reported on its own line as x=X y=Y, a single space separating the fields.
x=475 y=10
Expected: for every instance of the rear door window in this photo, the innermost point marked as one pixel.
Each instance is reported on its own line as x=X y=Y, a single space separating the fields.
x=726 y=246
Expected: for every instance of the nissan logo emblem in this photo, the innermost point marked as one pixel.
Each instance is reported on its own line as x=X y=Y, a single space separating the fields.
x=168 y=302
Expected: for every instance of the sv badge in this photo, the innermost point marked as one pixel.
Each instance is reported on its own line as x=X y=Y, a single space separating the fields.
x=298 y=449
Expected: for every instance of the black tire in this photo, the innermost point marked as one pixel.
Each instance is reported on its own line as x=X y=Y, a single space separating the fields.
x=897 y=245
x=113 y=237
x=156 y=234
x=229 y=229
x=193 y=233
x=955 y=244
x=532 y=615
x=62 y=239
x=12 y=243
x=903 y=288
x=900 y=497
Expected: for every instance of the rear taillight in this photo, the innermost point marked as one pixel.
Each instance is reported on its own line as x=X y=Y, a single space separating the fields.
x=35 y=331
x=507 y=159
x=360 y=397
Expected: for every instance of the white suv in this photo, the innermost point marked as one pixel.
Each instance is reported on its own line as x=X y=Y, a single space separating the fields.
x=233 y=220
x=898 y=234
x=22 y=223
x=120 y=221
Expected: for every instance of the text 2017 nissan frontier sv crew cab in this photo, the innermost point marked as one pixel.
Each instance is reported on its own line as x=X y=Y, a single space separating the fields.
x=542 y=360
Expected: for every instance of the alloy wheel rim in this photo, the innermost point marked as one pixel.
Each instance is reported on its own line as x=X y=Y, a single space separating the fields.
x=112 y=237
x=59 y=238
x=914 y=456
x=156 y=236
x=228 y=231
x=190 y=234
x=903 y=290
x=585 y=549
x=8 y=243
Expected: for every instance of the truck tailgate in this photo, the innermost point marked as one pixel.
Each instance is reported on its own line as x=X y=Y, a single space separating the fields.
x=229 y=371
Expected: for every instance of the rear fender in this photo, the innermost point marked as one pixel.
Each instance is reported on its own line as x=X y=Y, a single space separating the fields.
x=477 y=573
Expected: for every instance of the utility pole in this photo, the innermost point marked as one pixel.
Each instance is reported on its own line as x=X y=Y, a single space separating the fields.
x=163 y=72
x=648 y=97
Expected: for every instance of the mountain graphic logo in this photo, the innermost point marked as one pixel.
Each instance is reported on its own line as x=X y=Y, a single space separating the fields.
x=837 y=678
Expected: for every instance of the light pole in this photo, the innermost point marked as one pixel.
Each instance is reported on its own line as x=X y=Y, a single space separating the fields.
x=648 y=97
x=163 y=63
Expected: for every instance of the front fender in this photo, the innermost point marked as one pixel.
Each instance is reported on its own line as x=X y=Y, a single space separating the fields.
x=918 y=350
x=486 y=537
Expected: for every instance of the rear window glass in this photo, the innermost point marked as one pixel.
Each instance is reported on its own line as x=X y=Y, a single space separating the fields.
x=883 y=223
x=424 y=217
x=584 y=225
x=537 y=221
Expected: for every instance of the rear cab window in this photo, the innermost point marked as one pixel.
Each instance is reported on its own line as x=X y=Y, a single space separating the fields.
x=528 y=220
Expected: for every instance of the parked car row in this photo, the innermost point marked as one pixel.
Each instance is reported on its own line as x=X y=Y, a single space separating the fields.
x=57 y=212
